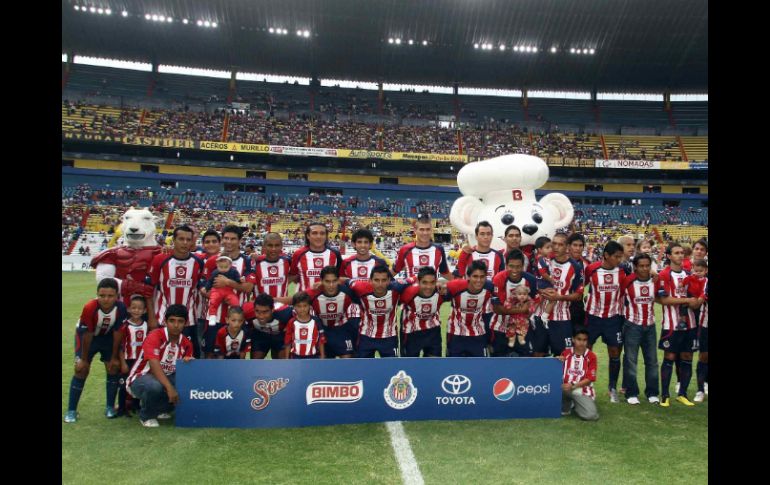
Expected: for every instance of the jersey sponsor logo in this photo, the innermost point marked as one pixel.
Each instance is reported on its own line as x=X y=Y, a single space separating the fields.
x=424 y=259
x=503 y=389
x=181 y=271
x=211 y=395
x=331 y=307
x=379 y=304
x=265 y=390
x=179 y=283
x=334 y=392
x=318 y=262
x=427 y=308
x=455 y=385
x=608 y=278
x=272 y=281
x=401 y=392
x=363 y=271
x=272 y=270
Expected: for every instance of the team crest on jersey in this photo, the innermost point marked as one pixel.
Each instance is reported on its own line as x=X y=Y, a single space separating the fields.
x=303 y=332
x=608 y=278
x=272 y=271
x=379 y=304
x=363 y=271
x=106 y=320
x=139 y=335
x=472 y=303
x=557 y=272
x=318 y=262
x=644 y=291
x=331 y=307
x=424 y=259
x=401 y=392
x=426 y=307
x=181 y=271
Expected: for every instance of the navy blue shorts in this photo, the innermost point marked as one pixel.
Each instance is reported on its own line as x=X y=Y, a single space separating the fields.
x=703 y=339
x=609 y=329
x=387 y=347
x=426 y=341
x=101 y=345
x=341 y=340
x=679 y=341
x=265 y=342
x=465 y=346
x=302 y=357
x=559 y=335
x=210 y=336
x=539 y=336
x=500 y=345
x=577 y=311
x=487 y=319
x=191 y=332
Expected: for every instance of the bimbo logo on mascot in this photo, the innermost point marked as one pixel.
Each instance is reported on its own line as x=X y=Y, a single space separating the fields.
x=501 y=191
x=400 y=393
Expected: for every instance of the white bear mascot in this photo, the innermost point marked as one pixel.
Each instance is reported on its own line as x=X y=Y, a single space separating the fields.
x=501 y=191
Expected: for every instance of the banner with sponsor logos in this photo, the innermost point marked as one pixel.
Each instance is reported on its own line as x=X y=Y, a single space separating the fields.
x=292 y=393
x=130 y=140
x=327 y=152
x=642 y=164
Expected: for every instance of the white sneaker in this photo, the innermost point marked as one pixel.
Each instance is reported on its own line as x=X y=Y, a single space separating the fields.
x=706 y=388
x=614 y=396
x=164 y=416
x=676 y=388
x=653 y=400
x=699 y=396
x=632 y=400
x=150 y=423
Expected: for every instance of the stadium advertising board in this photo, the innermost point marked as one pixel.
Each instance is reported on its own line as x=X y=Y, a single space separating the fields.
x=642 y=164
x=130 y=140
x=293 y=393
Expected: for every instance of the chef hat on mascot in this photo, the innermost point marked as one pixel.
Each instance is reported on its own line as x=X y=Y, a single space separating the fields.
x=501 y=191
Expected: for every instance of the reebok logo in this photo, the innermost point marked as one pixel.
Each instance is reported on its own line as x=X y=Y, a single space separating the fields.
x=210 y=395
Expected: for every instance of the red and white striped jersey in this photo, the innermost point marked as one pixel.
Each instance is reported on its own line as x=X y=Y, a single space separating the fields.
x=271 y=277
x=308 y=265
x=352 y=267
x=176 y=282
x=96 y=320
x=242 y=265
x=579 y=367
x=157 y=346
x=468 y=308
x=704 y=309
x=229 y=346
x=304 y=338
x=378 y=313
x=639 y=300
x=566 y=280
x=672 y=283
x=604 y=290
x=695 y=285
x=411 y=258
x=504 y=291
x=133 y=338
x=420 y=313
x=493 y=259
x=281 y=316
x=332 y=310
x=202 y=302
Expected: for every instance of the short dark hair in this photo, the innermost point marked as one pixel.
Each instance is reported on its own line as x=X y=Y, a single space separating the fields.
x=211 y=232
x=612 y=247
x=234 y=229
x=701 y=262
x=541 y=241
x=576 y=236
x=515 y=254
x=641 y=256
x=580 y=330
x=703 y=242
x=475 y=266
x=482 y=224
x=263 y=299
x=672 y=246
x=560 y=235
x=380 y=268
x=362 y=234
x=108 y=283
x=423 y=219
x=176 y=310
x=272 y=235
x=300 y=297
x=330 y=270
x=510 y=228
x=426 y=271
x=138 y=298
x=234 y=309
x=182 y=228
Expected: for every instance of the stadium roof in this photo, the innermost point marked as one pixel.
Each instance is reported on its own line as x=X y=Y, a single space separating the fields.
x=640 y=45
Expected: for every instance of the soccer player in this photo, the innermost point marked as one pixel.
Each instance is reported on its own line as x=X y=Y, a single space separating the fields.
x=576 y=243
x=332 y=304
x=271 y=270
x=233 y=341
x=177 y=277
x=505 y=283
x=423 y=252
x=638 y=293
x=678 y=336
x=471 y=298
x=231 y=243
x=420 y=323
x=268 y=322
x=153 y=376
x=304 y=336
x=702 y=371
x=578 y=376
x=134 y=332
x=513 y=241
x=308 y=261
x=379 y=298
x=482 y=252
x=212 y=244
x=629 y=246
x=360 y=265
x=605 y=279
x=96 y=333
x=700 y=250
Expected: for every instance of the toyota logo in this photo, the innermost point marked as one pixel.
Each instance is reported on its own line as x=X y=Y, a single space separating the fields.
x=456 y=384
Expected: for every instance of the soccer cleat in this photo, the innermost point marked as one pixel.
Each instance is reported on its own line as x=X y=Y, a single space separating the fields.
x=164 y=416
x=665 y=402
x=684 y=400
x=71 y=417
x=150 y=423
x=110 y=412
x=699 y=396
x=653 y=400
x=632 y=400
x=706 y=388
x=676 y=388
x=614 y=396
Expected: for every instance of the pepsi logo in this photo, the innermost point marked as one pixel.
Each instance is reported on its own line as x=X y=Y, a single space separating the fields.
x=503 y=389
x=181 y=271
x=318 y=262
x=272 y=270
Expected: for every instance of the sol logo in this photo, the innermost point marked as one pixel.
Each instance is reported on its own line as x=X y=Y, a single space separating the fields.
x=264 y=389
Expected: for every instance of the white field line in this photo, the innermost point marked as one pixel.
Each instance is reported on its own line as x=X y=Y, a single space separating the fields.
x=410 y=472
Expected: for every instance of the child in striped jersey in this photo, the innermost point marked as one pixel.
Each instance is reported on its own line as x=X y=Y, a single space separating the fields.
x=134 y=333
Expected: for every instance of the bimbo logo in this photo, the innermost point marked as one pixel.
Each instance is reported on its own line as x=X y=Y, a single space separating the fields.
x=181 y=271
x=264 y=390
x=272 y=271
x=333 y=392
x=400 y=393
x=318 y=262
x=516 y=194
